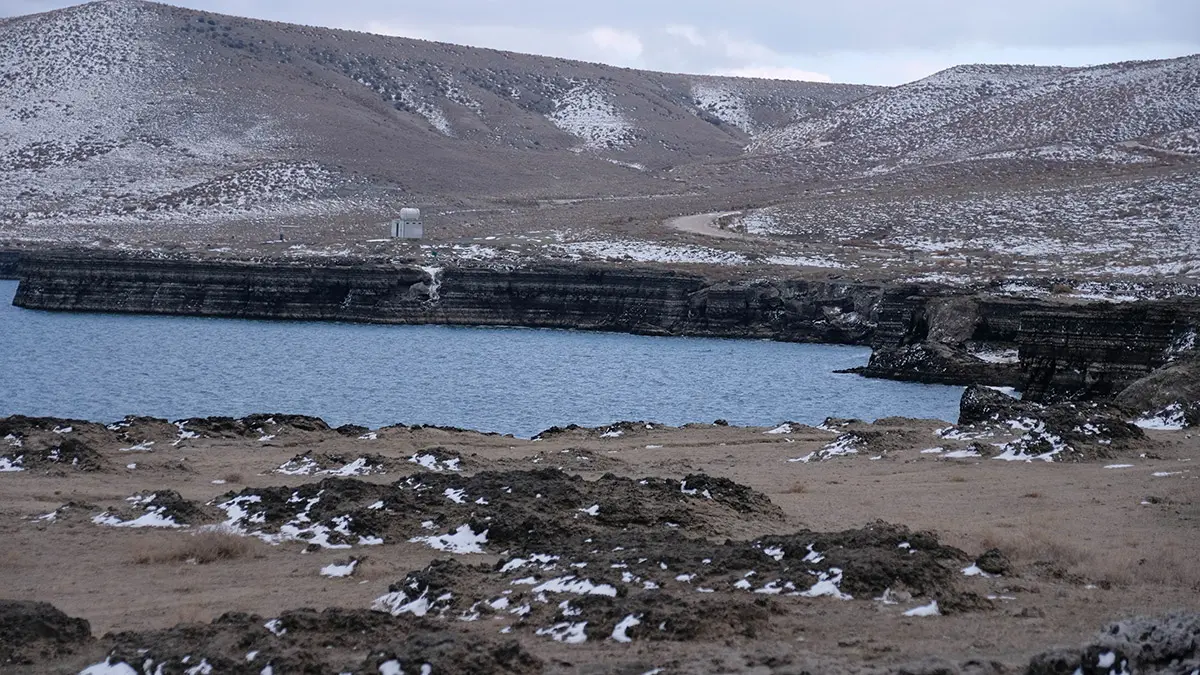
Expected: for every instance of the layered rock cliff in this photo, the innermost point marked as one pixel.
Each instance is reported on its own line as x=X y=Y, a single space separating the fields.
x=1050 y=349
x=8 y=264
x=661 y=302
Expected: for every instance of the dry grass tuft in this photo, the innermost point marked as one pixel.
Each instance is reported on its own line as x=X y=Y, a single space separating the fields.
x=233 y=478
x=201 y=548
x=1036 y=544
x=796 y=488
x=1106 y=563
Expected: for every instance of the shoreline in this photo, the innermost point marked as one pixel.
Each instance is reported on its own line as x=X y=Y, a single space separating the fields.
x=1049 y=348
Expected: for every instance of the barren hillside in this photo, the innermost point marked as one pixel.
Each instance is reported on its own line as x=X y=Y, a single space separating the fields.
x=137 y=125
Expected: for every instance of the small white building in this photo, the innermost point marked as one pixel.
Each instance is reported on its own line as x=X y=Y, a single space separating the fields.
x=408 y=225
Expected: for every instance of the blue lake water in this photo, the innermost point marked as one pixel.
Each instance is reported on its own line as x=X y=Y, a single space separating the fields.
x=102 y=367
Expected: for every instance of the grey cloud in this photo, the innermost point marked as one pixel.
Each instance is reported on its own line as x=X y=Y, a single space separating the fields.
x=841 y=39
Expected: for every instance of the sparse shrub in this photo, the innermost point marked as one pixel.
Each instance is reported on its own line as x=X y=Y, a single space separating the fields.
x=201 y=548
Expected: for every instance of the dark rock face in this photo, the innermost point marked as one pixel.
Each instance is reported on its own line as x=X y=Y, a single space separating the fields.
x=937 y=362
x=919 y=333
x=35 y=632
x=1096 y=350
x=9 y=261
x=1176 y=384
x=659 y=302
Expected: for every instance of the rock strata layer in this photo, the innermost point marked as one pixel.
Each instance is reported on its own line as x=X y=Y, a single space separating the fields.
x=1049 y=348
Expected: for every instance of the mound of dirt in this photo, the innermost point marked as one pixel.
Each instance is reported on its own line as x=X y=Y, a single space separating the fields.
x=164 y=508
x=35 y=632
x=1066 y=431
x=22 y=427
x=1163 y=645
x=258 y=425
x=136 y=430
x=336 y=464
x=656 y=586
x=307 y=641
x=511 y=508
x=50 y=454
x=614 y=430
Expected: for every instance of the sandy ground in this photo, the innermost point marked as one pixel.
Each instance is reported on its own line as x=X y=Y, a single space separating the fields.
x=1089 y=544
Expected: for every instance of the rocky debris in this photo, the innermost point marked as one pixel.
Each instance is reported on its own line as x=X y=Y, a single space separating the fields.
x=299 y=641
x=51 y=444
x=654 y=586
x=993 y=561
x=352 y=430
x=1162 y=645
x=572 y=459
x=1059 y=431
x=36 y=632
x=48 y=454
x=614 y=430
x=261 y=426
x=20 y=426
x=336 y=464
x=135 y=430
x=164 y=508
x=1171 y=394
x=415 y=428
x=455 y=512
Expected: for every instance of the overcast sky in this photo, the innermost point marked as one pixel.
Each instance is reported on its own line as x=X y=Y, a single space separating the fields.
x=861 y=41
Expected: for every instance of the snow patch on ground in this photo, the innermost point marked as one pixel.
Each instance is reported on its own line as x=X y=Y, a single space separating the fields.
x=585 y=113
x=1170 y=418
x=462 y=541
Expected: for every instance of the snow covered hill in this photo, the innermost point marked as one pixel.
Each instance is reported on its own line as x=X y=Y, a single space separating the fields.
x=1116 y=113
x=128 y=111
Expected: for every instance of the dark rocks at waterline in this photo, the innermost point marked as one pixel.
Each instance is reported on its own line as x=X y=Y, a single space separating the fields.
x=938 y=363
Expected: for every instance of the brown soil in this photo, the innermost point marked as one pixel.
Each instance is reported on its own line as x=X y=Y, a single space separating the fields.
x=690 y=531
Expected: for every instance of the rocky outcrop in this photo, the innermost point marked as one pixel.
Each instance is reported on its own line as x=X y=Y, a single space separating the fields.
x=1161 y=645
x=1067 y=349
x=1095 y=350
x=1063 y=431
x=1175 y=386
x=924 y=333
x=36 y=632
x=8 y=264
x=648 y=301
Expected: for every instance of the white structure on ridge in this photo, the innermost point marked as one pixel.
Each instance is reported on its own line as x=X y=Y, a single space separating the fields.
x=408 y=225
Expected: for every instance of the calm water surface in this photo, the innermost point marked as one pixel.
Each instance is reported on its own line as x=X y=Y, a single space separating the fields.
x=104 y=366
